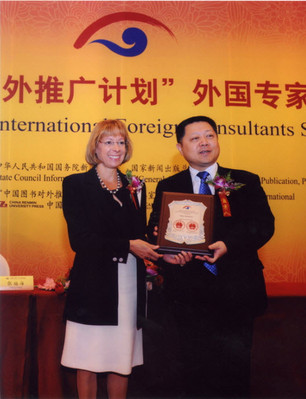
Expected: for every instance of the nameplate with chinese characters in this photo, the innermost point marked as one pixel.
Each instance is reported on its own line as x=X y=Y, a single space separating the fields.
x=16 y=283
x=186 y=223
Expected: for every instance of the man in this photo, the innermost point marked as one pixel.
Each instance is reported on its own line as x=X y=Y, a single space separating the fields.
x=212 y=312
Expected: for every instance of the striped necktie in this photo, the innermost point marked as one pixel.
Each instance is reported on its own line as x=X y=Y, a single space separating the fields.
x=204 y=188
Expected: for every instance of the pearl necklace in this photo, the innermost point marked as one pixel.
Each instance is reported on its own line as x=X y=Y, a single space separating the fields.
x=104 y=185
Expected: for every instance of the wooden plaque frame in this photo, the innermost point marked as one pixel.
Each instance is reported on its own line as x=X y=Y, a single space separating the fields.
x=167 y=246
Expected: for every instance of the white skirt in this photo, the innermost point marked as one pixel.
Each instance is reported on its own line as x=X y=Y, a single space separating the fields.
x=108 y=348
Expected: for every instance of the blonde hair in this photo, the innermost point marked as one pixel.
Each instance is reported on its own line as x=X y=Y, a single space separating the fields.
x=109 y=127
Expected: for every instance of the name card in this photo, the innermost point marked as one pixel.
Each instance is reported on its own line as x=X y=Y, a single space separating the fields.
x=17 y=283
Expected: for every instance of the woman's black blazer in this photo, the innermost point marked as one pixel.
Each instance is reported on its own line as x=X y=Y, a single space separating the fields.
x=99 y=232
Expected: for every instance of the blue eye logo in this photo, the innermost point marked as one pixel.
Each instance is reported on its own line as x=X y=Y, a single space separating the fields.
x=133 y=37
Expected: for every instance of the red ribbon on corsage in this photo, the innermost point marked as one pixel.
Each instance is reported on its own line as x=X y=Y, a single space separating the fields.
x=132 y=192
x=224 y=185
x=226 y=209
x=134 y=186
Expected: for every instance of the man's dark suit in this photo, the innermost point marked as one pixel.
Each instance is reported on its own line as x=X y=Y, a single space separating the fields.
x=214 y=315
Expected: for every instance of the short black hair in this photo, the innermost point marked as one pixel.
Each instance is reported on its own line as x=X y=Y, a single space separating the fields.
x=180 y=128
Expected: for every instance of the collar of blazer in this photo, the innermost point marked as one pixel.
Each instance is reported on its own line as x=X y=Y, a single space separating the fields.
x=222 y=171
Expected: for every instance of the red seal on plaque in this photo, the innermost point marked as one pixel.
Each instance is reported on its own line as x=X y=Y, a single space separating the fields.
x=178 y=224
x=193 y=226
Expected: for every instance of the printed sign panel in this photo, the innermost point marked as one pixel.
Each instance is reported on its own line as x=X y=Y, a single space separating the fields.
x=67 y=65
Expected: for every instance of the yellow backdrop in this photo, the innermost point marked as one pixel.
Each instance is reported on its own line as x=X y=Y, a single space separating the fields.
x=241 y=63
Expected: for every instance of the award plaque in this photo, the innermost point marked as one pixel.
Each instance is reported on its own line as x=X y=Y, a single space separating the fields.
x=186 y=223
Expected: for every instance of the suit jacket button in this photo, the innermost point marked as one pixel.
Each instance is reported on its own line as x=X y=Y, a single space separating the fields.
x=120 y=259
x=115 y=259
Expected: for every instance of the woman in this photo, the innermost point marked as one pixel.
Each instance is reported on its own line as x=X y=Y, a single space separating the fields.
x=106 y=297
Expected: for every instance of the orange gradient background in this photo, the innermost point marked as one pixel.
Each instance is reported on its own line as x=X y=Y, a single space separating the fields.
x=218 y=41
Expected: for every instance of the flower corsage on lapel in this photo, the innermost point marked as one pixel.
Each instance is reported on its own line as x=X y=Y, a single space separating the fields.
x=224 y=185
x=134 y=186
